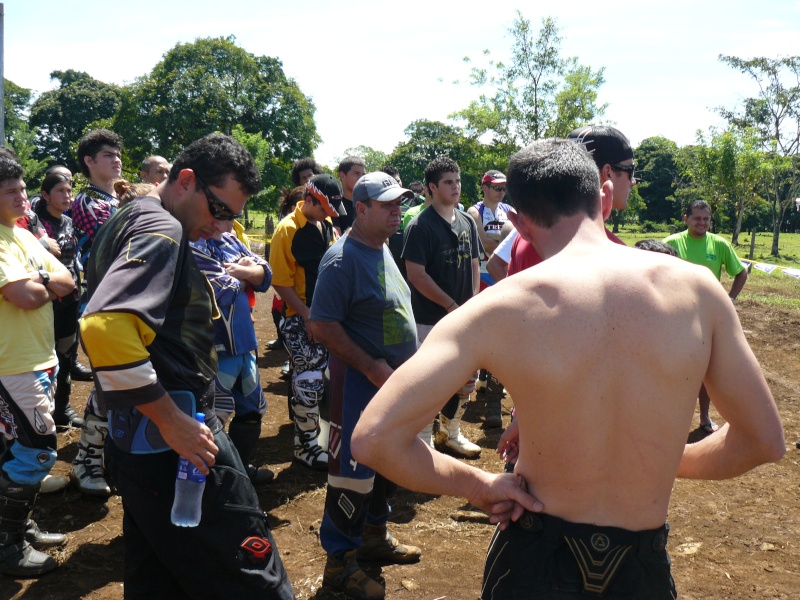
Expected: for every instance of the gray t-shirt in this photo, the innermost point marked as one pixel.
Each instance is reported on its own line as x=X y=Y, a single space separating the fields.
x=362 y=288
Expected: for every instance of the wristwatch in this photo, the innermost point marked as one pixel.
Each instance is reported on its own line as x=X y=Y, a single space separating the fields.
x=45 y=277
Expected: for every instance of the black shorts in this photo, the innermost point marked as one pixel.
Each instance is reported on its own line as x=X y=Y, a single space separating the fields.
x=541 y=556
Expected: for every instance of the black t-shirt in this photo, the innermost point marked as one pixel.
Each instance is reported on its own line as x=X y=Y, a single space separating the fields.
x=446 y=250
x=345 y=222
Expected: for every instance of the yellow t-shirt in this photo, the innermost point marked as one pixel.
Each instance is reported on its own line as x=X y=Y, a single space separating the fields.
x=26 y=336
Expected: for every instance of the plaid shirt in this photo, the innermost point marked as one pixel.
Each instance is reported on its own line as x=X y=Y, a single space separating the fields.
x=91 y=208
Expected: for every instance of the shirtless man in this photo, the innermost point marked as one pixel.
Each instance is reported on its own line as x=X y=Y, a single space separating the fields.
x=592 y=313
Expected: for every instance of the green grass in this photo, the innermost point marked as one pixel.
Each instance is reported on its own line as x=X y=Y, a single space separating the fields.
x=775 y=289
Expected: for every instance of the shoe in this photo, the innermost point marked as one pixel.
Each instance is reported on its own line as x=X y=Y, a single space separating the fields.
x=494 y=414
x=87 y=467
x=344 y=575
x=66 y=417
x=80 y=372
x=311 y=455
x=481 y=386
x=53 y=483
x=285 y=370
x=378 y=546
x=41 y=540
x=259 y=475
x=709 y=427
x=273 y=345
x=449 y=436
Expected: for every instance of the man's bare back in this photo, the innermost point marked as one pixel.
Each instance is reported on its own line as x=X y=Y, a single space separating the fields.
x=603 y=349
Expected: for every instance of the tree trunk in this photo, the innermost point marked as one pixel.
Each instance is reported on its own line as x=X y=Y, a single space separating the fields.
x=738 y=228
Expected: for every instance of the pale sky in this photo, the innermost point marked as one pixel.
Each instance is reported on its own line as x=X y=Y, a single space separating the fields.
x=373 y=67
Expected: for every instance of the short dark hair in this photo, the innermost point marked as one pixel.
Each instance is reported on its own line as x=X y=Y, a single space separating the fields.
x=437 y=168
x=92 y=142
x=10 y=169
x=699 y=205
x=304 y=164
x=656 y=246
x=52 y=179
x=390 y=170
x=8 y=152
x=216 y=156
x=348 y=162
x=551 y=179
x=146 y=162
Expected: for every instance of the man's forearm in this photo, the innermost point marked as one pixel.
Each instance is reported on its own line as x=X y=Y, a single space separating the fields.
x=335 y=339
x=291 y=298
x=426 y=286
x=738 y=284
x=61 y=283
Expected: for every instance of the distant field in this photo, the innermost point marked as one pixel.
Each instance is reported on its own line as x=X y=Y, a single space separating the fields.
x=775 y=289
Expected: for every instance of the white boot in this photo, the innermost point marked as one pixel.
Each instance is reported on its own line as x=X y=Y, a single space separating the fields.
x=87 y=467
x=449 y=434
x=426 y=435
x=307 y=449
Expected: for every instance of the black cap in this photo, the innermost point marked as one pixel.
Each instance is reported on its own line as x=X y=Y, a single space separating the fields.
x=607 y=145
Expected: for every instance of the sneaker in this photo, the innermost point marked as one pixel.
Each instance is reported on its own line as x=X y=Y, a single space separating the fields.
x=80 y=372
x=41 y=540
x=53 y=483
x=381 y=547
x=344 y=575
x=259 y=475
x=65 y=417
x=274 y=344
x=285 y=370
x=481 y=386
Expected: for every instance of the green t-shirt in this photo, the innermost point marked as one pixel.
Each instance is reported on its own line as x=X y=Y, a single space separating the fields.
x=411 y=213
x=711 y=250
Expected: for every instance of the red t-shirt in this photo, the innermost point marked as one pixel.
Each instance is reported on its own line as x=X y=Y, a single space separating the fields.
x=524 y=255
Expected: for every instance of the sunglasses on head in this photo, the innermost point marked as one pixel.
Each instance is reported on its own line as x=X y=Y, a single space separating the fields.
x=629 y=169
x=218 y=209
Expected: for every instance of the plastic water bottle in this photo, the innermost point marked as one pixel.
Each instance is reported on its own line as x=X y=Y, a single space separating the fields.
x=189 y=486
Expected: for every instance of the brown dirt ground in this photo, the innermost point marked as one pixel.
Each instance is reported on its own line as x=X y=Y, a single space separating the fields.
x=730 y=539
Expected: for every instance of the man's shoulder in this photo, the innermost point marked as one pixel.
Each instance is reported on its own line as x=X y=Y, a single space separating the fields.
x=675 y=237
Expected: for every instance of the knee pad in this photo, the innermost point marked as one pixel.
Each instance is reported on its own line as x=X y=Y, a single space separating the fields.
x=309 y=388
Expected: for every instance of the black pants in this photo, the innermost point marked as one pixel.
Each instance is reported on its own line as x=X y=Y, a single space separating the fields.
x=541 y=556
x=231 y=554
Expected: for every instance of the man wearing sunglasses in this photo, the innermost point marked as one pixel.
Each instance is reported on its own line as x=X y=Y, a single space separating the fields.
x=613 y=155
x=149 y=333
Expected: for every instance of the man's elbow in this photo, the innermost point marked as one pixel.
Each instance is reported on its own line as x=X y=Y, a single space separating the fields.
x=774 y=448
x=363 y=446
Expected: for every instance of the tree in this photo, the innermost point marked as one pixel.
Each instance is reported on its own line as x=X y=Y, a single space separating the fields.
x=61 y=116
x=537 y=94
x=657 y=176
x=374 y=159
x=429 y=139
x=729 y=168
x=214 y=85
x=775 y=111
x=16 y=102
x=774 y=114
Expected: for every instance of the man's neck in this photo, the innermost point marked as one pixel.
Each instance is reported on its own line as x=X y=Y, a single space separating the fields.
x=491 y=204
x=694 y=237
x=104 y=186
x=306 y=213
x=445 y=210
x=569 y=232
x=358 y=234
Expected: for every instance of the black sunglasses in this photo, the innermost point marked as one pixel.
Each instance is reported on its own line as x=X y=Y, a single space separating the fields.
x=218 y=209
x=498 y=188
x=629 y=169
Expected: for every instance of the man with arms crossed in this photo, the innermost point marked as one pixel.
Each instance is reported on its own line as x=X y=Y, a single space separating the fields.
x=710 y=250
x=30 y=279
x=148 y=331
x=585 y=322
x=364 y=318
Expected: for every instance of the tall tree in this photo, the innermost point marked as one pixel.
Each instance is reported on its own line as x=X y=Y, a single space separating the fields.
x=214 y=85
x=775 y=110
x=774 y=113
x=657 y=175
x=62 y=115
x=429 y=139
x=537 y=94
x=374 y=159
